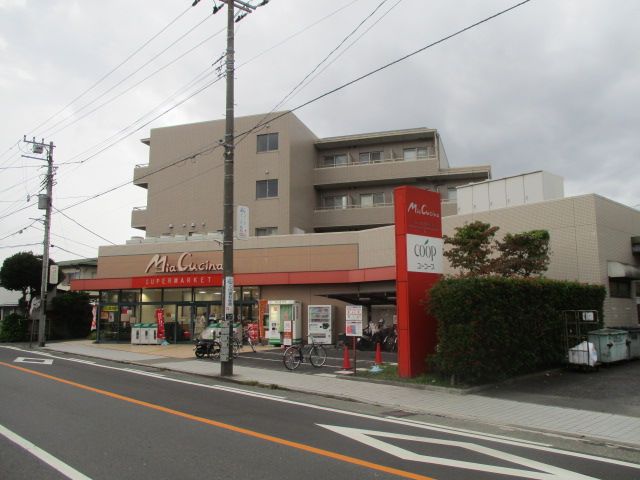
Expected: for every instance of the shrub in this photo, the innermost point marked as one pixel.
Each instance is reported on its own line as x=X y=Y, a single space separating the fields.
x=492 y=328
x=14 y=328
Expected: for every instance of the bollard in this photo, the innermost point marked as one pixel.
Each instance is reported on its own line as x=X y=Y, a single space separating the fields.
x=346 y=362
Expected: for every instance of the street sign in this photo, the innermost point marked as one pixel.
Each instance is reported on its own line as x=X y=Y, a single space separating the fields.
x=243 y=222
x=353 y=327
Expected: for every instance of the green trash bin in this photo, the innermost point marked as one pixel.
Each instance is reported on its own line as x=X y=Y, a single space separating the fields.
x=611 y=344
x=633 y=340
x=136 y=333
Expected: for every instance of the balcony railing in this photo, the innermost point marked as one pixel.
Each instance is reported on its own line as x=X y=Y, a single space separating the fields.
x=321 y=163
x=350 y=206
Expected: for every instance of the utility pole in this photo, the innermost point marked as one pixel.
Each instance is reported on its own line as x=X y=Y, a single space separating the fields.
x=226 y=355
x=44 y=203
x=226 y=332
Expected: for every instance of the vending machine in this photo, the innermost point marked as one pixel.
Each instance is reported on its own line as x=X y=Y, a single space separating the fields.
x=285 y=322
x=320 y=323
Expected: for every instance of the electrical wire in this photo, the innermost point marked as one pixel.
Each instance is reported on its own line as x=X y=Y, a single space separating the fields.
x=105 y=76
x=315 y=99
x=196 y=80
x=49 y=131
x=20 y=246
x=384 y=67
x=68 y=251
x=83 y=227
x=342 y=42
x=346 y=48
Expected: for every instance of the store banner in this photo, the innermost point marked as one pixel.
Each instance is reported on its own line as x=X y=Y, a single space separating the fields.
x=419 y=265
x=160 y=321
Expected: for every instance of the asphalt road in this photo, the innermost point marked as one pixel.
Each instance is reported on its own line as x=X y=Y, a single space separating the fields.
x=103 y=420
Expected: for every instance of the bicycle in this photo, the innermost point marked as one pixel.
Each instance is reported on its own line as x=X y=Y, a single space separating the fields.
x=294 y=355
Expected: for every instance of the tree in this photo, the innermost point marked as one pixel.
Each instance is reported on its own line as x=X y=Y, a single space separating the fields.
x=70 y=315
x=472 y=247
x=475 y=252
x=22 y=272
x=523 y=254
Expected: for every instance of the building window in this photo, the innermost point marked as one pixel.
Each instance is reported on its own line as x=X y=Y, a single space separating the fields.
x=268 y=142
x=335 y=201
x=369 y=157
x=266 y=231
x=371 y=199
x=334 y=160
x=266 y=188
x=620 y=288
x=452 y=194
x=414 y=153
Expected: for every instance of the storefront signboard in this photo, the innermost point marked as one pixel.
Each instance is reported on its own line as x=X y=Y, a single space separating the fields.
x=419 y=265
x=177 y=281
x=185 y=263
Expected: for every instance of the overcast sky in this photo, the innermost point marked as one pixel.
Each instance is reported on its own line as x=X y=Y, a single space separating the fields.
x=551 y=85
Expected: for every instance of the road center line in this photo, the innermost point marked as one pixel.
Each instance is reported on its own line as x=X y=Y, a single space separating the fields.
x=40 y=454
x=226 y=426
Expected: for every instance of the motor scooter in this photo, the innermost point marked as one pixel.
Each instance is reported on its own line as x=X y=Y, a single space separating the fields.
x=206 y=348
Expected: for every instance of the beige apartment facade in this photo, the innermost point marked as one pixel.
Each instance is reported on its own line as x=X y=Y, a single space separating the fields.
x=292 y=181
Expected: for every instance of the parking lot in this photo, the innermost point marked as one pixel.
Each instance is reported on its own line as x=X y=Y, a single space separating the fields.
x=611 y=388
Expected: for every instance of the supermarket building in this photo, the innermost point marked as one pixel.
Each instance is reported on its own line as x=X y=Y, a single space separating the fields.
x=322 y=229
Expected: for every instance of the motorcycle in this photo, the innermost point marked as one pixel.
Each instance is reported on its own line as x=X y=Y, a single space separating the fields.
x=206 y=348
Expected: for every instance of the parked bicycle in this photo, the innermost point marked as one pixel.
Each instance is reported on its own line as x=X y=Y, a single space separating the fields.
x=295 y=354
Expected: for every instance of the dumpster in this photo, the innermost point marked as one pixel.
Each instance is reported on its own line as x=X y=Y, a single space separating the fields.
x=611 y=344
x=633 y=340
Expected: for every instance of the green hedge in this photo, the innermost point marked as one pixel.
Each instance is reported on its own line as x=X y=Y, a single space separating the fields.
x=14 y=328
x=492 y=328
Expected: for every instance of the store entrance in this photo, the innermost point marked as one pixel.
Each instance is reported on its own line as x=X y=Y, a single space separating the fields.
x=179 y=322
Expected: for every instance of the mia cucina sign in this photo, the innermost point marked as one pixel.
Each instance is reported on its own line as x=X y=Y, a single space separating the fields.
x=419 y=248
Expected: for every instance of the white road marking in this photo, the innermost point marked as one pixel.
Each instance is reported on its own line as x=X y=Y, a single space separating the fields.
x=47 y=458
x=397 y=421
x=40 y=361
x=538 y=470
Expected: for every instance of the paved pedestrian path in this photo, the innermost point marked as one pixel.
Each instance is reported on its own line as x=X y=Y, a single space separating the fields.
x=597 y=426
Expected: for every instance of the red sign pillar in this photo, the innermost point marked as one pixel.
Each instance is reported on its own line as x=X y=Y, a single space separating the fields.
x=419 y=257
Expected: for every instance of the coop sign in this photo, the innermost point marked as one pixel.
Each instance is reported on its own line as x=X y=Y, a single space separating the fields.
x=185 y=263
x=424 y=254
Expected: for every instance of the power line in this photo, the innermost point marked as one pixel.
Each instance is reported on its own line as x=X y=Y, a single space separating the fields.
x=68 y=251
x=384 y=67
x=93 y=247
x=193 y=82
x=342 y=42
x=83 y=227
x=50 y=133
x=319 y=97
x=105 y=76
x=20 y=246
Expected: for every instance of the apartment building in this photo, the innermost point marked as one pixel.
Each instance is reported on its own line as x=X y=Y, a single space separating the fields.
x=292 y=181
x=322 y=225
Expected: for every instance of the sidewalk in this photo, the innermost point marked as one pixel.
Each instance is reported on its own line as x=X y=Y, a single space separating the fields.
x=596 y=426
